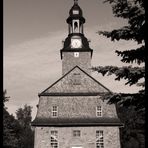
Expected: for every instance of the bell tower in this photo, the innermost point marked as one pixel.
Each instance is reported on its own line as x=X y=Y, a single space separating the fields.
x=75 y=20
x=73 y=111
x=76 y=50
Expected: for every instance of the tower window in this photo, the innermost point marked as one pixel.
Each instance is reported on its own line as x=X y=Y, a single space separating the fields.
x=75 y=12
x=54 y=111
x=54 y=139
x=99 y=111
x=76 y=54
x=76 y=133
x=75 y=26
x=99 y=139
x=76 y=79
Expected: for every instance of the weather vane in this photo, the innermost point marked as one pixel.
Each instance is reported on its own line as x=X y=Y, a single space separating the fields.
x=75 y=1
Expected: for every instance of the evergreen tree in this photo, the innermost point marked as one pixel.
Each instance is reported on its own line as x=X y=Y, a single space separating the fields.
x=132 y=106
x=134 y=12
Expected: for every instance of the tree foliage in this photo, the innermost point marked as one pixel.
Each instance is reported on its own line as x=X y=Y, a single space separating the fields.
x=5 y=98
x=129 y=73
x=17 y=133
x=11 y=130
x=132 y=135
x=11 y=127
x=131 y=107
x=24 y=118
x=133 y=11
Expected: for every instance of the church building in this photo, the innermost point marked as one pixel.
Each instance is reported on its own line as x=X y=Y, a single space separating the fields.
x=72 y=112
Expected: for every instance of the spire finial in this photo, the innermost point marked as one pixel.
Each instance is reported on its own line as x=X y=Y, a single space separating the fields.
x=75 y=1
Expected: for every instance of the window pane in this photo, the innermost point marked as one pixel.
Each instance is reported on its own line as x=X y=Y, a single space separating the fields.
x=54 y=108
x=54 y=139
x=99 y=139
x=99 y=111
x=76 y=133
x=54 y=111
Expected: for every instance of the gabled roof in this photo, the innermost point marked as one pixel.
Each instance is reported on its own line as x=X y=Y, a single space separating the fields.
x=63 y=86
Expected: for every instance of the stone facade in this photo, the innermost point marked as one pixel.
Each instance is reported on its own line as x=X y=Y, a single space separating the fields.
x=75 y=108
x=83 y=61
x=86 y=140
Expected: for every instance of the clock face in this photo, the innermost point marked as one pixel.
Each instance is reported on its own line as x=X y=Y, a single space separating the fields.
x=76 y=43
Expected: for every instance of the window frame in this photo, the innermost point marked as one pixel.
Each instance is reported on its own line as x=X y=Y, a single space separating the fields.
x=76 y=133
x=99 y=141
x=54 y=139
x=76 y=80
x=75 y=11
x=76 y=54
x=99 y=111
x=54 y=111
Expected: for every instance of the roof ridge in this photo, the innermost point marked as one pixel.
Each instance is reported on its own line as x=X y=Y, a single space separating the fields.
x=94 y=79
x=67 y=74
x=57 y=80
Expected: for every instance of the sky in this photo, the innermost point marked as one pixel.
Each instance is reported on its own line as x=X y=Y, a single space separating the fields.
x=33 y=34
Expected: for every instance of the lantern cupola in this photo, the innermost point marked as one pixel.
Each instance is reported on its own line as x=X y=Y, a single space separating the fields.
x=75 y=19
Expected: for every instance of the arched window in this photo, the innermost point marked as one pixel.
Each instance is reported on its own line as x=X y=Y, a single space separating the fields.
x=75 y=25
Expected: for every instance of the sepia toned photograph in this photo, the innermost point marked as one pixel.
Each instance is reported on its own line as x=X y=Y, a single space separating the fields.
x=74 y=74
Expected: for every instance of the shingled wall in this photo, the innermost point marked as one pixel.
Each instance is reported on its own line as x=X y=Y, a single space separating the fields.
x=83 y=61
x=85 y=83
x=75 y=107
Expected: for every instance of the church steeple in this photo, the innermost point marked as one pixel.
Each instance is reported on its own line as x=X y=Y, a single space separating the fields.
x=75 y=1
x=75 y=19
x=76 y=50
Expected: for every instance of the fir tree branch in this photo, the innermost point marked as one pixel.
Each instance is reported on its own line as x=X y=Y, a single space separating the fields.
x=125 y=33
x=129 y=73
x=127 y=99
x=133 y=55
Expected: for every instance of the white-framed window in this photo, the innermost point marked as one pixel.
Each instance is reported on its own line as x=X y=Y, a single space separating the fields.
x=99 y=139
x=76 y=133
x=99 y=111
x=54 y=139
x=76 y=54
x=75 y=12
x=54 y=111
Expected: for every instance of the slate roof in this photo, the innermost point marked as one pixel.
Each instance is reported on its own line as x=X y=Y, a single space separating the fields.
x=45 y=93
x=77 y=122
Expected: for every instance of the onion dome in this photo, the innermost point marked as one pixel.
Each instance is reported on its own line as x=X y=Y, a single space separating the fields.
x=75 y=13
x=75 y=8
